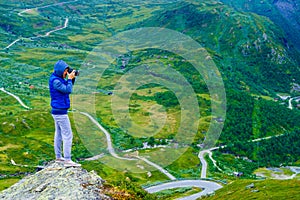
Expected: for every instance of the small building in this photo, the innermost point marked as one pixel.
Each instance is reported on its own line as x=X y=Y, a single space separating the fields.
x=238 y=174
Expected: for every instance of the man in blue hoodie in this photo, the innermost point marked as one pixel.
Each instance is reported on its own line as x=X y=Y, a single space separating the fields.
x=60 y=89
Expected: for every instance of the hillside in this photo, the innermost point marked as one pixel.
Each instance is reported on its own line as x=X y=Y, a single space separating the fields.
x=283 y=13
x=267 y=189
x=142 y=87
x=251 y=51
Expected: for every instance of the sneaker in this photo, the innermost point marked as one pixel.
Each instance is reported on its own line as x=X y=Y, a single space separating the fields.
x=70 y=163
x=60 y=160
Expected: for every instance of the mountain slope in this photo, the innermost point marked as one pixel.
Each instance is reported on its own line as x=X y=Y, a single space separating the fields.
x=249 y=49
x=267 y=189
x=284 y=13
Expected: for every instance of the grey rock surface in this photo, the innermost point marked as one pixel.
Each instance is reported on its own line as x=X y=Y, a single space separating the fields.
x=58 y=183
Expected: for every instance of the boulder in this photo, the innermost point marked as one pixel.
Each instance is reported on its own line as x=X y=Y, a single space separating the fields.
x=57 y=182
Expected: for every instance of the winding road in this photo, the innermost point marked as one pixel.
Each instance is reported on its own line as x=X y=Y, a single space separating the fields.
x=108 y=138
x=46 y=34
x=209 y=151
x=49 y=32
x=50 y=5
x=290 y=101
x=204 y=163
x=57 y=29
x=207 y=186
x=113 y=153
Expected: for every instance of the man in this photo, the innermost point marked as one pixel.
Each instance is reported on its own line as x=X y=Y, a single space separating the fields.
x=60 y=88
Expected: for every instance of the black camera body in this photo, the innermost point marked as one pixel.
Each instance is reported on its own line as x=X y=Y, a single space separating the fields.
x=76 y=71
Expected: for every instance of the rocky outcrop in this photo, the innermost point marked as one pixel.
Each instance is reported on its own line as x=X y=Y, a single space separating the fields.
x=57 y=182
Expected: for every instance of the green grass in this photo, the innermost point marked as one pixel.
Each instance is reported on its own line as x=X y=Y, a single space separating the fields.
x=7 y=182
x=9 y=105
x=117 y=177
x=266 y=189
x=187 y=165
x=177 y=193
x=282 y=173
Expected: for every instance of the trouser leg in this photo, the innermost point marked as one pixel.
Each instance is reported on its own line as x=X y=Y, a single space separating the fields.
x=66 y=134
x=67 y=137
x=57 y=138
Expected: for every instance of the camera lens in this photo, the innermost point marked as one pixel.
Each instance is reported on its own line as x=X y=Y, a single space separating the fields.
x=76 y=71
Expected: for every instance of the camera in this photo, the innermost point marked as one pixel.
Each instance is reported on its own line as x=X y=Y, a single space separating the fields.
x=76 y=71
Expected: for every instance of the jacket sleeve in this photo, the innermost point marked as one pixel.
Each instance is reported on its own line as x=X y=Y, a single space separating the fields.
x=64 y=88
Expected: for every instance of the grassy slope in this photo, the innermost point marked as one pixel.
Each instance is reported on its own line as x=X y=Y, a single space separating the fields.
x=279 y=12
x=266 y=189
x=237 y=42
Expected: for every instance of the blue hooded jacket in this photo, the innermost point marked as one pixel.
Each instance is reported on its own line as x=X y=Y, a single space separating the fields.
x=60 y=89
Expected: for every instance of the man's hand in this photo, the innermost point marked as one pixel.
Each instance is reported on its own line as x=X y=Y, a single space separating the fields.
x=71 y=75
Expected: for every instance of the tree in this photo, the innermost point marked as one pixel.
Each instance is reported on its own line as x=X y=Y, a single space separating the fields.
x=151 y=141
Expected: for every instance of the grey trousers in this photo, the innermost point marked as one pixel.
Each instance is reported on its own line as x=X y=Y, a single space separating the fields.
x=63 y=135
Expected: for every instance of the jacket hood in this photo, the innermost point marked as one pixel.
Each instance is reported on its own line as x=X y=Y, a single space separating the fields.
x=60 y=67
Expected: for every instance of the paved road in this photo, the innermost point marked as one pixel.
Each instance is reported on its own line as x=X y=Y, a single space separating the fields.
x=57 y=29
x=203 y=161
x=207 y=186
x=46 y=34
x=49 y=32
x=290 y=101
x=108 y=138
x=266 y=138
x=55 y=4
x=209 y=151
